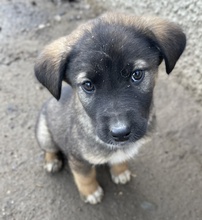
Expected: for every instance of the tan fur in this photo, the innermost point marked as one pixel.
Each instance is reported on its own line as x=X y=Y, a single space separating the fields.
x=86 y=184
x=50 y=157
x=117 y=169
x=59 y=49
x=155 y=24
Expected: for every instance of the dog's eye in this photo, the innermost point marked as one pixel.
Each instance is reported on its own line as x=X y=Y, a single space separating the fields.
x=88 y=86
x=138 y=75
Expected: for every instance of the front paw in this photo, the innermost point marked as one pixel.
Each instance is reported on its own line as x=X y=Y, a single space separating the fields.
x=52 y=162
x=95 y=197
x=120 y=173
x=53 y=166
x=121 y=178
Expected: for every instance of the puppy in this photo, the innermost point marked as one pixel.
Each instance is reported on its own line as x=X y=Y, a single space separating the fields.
x=105 y=113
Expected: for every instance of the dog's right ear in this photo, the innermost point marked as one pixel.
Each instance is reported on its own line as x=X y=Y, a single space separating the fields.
x=51 y=65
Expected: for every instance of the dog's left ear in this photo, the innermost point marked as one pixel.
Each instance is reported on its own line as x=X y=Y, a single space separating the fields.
x=169 y=39
x=167 y=36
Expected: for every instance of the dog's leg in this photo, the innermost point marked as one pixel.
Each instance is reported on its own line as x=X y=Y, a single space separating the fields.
x=120 y=173
x=53 y=163
x=85 y=179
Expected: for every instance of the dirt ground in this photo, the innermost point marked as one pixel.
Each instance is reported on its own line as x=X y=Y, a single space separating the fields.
x=167 y=180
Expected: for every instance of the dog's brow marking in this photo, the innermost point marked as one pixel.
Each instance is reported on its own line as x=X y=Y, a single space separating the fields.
x=140 y=64
x=81 y=76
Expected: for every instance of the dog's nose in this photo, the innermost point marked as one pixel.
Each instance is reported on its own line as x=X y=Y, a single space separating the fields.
x=121 y=132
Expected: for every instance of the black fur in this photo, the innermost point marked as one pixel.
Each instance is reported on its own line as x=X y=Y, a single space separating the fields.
x=104 y=54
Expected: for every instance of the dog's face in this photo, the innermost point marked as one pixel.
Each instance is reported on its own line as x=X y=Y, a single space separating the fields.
x=114 y=75
x=112 y=67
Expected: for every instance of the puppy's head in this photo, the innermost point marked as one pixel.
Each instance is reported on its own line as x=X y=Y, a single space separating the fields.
x=112 y=64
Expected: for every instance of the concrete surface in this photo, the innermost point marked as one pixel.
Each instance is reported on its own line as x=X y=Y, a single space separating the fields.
x=188 y=13
x=167 y=182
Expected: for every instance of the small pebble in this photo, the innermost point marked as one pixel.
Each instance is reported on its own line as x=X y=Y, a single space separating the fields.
x=120 y=193
x=87 y=7
x=78 y=17
x=58 y=18
x=39 y=87
x=33 y=3
x=41 y=26
x=11 y=108
x=148 y=206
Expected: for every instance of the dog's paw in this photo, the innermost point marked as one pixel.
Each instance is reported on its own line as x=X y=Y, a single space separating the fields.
x=95 y=197
x=122 y=178
x=53 y=166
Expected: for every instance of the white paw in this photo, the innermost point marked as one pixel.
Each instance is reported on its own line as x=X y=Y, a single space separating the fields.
x=96 y=197
x=53 y=166
x=122 y=178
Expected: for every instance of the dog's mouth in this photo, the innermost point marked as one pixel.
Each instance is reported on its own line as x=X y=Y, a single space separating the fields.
x=111 y=144
x=120 y=143
x=117 y=143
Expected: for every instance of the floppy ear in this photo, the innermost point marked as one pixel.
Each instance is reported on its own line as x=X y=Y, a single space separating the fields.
x=167 y=36
x=169 y=39
x=50 y=67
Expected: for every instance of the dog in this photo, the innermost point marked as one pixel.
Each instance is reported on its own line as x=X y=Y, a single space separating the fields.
x=105 y=113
